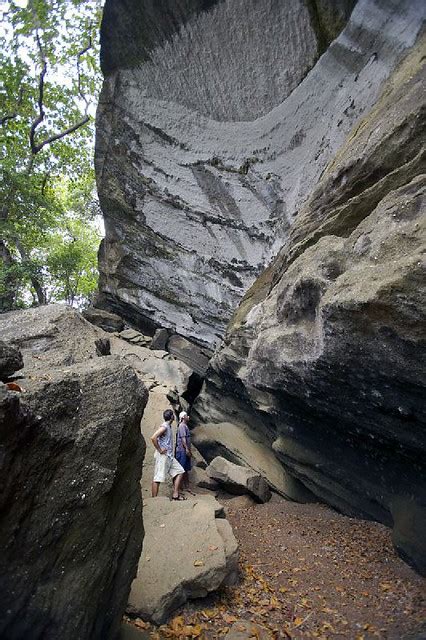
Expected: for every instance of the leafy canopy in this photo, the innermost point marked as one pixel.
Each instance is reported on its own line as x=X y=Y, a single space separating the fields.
x=49 y=80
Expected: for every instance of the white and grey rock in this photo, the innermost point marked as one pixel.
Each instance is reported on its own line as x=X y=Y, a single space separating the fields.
x=325 y=358
x=213 y=128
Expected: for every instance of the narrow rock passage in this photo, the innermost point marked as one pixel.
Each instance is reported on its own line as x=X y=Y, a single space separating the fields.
x=308 y=572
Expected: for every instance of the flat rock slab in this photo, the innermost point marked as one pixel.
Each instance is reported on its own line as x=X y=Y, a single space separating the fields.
x=129 y=334
x=187 y=553
x=153 y=363
x=238 y=479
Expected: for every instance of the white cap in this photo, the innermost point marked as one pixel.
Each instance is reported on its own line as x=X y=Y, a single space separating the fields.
x=182 y=415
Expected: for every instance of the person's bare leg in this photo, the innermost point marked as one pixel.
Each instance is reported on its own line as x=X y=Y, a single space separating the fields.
x=177 y=480
x=185 y=484
x=154 y=488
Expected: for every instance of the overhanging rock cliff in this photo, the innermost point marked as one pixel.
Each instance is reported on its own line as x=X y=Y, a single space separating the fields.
x=215 y=122
x=324 y=360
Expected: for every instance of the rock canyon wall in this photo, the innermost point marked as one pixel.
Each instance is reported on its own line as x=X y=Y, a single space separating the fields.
x=215 y=122
x=324 y=360
x=260 y=163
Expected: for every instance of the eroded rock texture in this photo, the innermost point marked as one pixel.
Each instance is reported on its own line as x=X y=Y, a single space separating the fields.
x=215 y=122
x=70 y=463
x=324 y=360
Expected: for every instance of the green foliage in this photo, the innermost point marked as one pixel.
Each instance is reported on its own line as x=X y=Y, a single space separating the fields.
x=47 y=202
x=55 y=258
x=71 y=263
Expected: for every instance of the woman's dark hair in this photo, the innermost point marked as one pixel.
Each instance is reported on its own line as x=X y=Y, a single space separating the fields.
x=168 y=414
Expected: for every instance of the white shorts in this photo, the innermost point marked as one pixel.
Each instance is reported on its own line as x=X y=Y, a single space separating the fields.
x=166 y=466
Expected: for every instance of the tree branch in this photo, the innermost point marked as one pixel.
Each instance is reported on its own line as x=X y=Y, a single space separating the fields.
x=41 y=112
x=80 y=90
x=14 y=114
x=61 y=134
x=35 y=148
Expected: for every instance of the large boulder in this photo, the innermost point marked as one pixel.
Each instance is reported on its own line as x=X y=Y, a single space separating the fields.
x=325 y=357
x=239 y=480
x=199 y=477
x=71 y=455
x=187 y=553
x=215 y=122
x=109 y=322
x=160 y=339
x=10 y=360
x=52 y=336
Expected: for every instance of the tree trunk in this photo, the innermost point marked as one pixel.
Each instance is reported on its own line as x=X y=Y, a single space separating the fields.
x=40 y=293
x=8 y=286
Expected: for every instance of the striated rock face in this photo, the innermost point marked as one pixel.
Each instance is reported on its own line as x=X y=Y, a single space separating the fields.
x=325 y=357
x=216 y=120
x=70 y=463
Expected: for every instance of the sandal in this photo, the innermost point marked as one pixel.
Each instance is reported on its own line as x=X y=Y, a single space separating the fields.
x=179 y=498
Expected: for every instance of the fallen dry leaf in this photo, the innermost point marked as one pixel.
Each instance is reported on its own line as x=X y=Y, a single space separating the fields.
x=12 y=386
x=229 y=619
x=141 y=624
x=209 y=613
x=198 y=563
